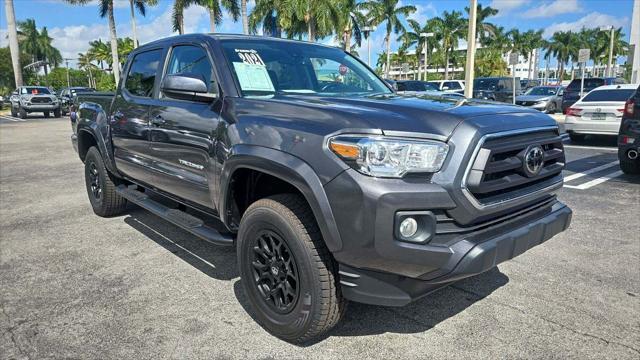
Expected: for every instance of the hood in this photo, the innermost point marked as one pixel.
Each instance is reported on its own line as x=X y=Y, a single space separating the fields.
x=434 y=115
x=532 y=97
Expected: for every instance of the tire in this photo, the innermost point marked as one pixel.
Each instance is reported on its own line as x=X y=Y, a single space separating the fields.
x=100 y=187
x=315 y=303
x=14 y=113
x=22 y=112
x=56 y=113
x=46 y=114
x=630 y=167
x=576 y=137
x=551 y=109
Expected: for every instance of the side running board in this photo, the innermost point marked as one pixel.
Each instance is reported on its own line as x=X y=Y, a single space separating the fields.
x=179 y=218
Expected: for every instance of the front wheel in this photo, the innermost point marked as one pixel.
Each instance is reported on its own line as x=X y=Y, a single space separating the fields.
x=22 y=112
x=100 y=187
x=46 y=114
x=551 y=108
x=56 y=113
x=14 y=113
x=287 y=272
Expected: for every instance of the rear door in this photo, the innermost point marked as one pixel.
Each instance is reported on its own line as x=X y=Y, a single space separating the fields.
x=130 y=115
x=183 y=133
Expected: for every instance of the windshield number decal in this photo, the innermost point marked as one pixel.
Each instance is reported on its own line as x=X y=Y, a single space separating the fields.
x=250 y=56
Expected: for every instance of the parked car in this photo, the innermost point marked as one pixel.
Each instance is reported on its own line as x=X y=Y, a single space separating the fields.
x=599 y=112
x=495 y=88
x=542 y=98
x=629 y=135
x=30 y=99
x=330 y=186
x=572 y=91
x=413 y=86
x=67 y=94
x=392 y=83
x=526 y=84
x=456 y=86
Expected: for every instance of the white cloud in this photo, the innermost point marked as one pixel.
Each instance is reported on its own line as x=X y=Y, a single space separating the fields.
x=116 y=3
x=589 y=21
x=71 y=40
x=506 y=6
x=424 y=13
x=553 y=8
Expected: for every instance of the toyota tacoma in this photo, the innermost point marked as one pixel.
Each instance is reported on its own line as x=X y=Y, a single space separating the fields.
x=330 y=186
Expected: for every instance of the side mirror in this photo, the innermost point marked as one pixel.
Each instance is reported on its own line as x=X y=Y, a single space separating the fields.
x=186 y=87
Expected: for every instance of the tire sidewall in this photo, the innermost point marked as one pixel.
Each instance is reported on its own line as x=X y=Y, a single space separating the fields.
x=295 y=323
x=93 y=156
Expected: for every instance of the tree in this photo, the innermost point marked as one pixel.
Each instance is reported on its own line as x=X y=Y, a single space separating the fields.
x=411 y=37
x=100 y=52
x=84 y=63
x=450 y=28
x=13 y=41
x=105 y=9
x=125 y=46
x=484 y=29
x=141 y=5
x=350 y=21
x=387 y=11
x=28 y=37
x=533 y=40
x=50 y=54
x=562 y=45
x=213 y=6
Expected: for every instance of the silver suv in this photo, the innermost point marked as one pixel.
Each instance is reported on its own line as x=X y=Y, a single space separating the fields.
x=29 y=99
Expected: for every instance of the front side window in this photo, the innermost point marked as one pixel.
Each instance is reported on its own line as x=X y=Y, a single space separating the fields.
x=193 y=60
x=283 y=67
x=142 y=73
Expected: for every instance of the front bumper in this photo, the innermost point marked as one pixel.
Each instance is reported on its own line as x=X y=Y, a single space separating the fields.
x=40 y=107
x=470 y=255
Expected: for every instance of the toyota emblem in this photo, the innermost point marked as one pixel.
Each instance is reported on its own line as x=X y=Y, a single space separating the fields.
x=533 y=160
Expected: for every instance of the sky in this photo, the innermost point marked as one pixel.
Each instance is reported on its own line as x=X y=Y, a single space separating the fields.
x=72 y=27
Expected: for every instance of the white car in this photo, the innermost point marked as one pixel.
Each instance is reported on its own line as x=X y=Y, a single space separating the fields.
x=449 y=86
x=599 y=112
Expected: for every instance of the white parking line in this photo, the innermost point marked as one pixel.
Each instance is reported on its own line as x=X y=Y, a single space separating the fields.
x=589 y=171
x=595 y=182
x=11 y=118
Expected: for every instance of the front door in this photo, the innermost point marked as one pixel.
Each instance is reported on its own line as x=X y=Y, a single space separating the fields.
x=182 y=133
x=130 y=116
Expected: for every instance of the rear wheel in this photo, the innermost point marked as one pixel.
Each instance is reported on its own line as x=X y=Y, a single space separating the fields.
x=630 y=167
x=287 y=272
x=56 y=112
x=100 y=187
x=46 y=114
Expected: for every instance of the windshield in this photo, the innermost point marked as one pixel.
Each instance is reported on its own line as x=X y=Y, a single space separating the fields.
x=281 y=67
x=542 y=91
x=621 y=95
x=485 y=84
x=34 y=90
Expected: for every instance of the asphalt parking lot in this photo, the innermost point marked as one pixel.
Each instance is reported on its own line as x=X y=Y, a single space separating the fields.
x=73 y=285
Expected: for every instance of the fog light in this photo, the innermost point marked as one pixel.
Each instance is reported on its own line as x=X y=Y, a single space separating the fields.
x=408 y=227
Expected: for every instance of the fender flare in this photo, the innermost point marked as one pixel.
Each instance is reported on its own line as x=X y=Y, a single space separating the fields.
x=97 y=126
x=290 y=169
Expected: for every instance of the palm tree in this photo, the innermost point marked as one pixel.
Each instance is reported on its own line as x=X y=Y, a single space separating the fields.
x=105 y=9
x=349 y=23
x=14 y=47
x=84 y=62
x=484 y=29
x=450 y=29
x=271 y=14
x=100 y=52
x=28 y=32
x=411 y=37
x=387 y=11
x=533 y=41
x=321 y=17
x=213 y=6
x=50 y=54
x=125 y=46
x=141 y=5
x=561 y=45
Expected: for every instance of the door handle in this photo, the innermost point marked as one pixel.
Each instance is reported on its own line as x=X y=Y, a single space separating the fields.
x=158 y=120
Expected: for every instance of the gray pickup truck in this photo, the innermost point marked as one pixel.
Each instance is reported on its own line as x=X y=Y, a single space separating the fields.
x=30 y=99
x=331 y=186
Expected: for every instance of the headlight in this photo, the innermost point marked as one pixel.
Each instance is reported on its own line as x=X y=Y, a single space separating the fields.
x=389 y=157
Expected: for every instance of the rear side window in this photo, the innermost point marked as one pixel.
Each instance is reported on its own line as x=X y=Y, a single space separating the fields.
x=188 y=59
x=588 y=84
x=142 y=73
x=453 y=85
x=609 y=95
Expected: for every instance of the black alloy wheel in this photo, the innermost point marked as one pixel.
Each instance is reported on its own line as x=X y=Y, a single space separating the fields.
x=94 y=181
x=275 y=272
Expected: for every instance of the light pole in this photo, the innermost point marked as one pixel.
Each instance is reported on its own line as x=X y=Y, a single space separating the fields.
x=471 y=49
x=611 y=35
x=66 y=61
x=426 y=37
x=367 y=33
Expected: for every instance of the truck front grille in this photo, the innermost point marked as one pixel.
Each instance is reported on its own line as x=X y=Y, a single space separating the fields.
x=508 y=166
x=40 y=100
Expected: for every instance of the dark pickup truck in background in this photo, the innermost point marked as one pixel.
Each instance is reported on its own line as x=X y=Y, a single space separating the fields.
x=331 y=186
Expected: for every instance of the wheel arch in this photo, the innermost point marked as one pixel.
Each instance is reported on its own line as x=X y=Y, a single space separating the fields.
x=288 y=169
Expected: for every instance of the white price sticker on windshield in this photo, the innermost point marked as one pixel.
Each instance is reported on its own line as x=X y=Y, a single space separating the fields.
x=253 y=77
